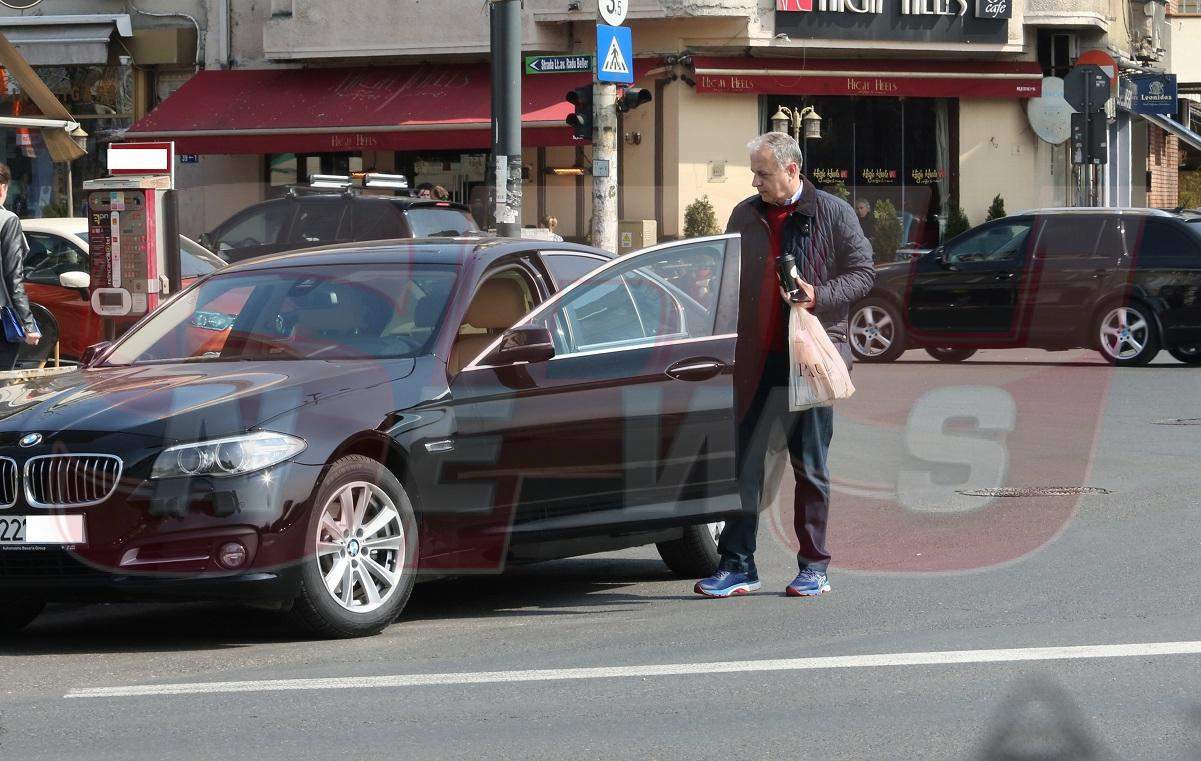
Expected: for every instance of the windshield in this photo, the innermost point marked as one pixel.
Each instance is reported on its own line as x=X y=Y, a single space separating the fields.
x=329 y=312
x=436 y=222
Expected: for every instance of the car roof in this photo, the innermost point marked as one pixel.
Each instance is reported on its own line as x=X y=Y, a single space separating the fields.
x=409 y=250
x=1080 y=210
x=407 y=202
x=59 y=225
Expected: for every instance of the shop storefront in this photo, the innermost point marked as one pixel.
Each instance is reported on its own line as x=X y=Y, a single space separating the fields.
x=89 y=76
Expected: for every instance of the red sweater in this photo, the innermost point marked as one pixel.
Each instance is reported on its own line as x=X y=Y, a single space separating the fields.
x=773 y=313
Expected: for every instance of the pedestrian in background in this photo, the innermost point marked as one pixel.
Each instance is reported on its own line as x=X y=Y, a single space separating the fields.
x=440 y=193
x=867 y=220
x=551 y=223
x=834 y=260
x=13 y=250
x=425 y=190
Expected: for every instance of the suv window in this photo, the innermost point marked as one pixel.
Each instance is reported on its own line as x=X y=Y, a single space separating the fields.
x=439 y=222
x=318 y=221
x=1165 y=241
x=264 y=226
x=1070 y=237
x=375 y=219
x=1001 y=242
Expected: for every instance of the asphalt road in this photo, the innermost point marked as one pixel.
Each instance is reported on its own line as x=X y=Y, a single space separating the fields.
x=921 y=570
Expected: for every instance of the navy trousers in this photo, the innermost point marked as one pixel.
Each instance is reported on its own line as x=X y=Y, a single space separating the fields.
x=808 y=434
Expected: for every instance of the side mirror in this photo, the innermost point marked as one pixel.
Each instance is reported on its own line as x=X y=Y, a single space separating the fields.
x=94 y=353
x=528 y=343
x=77 y=280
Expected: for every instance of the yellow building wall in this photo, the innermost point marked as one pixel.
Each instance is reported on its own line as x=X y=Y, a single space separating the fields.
x=999 y=153
x=560 y=192
x=710 y=128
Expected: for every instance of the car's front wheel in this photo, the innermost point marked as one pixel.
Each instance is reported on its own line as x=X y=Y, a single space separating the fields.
x=694 y=554
x=1189 y=355
x=949 y=354
x=15 y=615
x=361 y=560
x=877 y=331
x=1126 y=334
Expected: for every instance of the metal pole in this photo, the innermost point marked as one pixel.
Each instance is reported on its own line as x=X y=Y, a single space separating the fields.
x=506 y=119
x=604 y=166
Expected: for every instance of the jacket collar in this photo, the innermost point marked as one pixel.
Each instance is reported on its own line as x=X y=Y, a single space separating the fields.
x=806 y=206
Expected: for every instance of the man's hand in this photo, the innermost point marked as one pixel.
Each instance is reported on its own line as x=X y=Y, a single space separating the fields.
x=808 y=300
x=33 y=338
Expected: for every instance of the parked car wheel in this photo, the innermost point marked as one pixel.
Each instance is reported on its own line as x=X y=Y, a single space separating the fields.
x=877 y=331
x=1189 y=355
x=949 y=354
x=362 y=552
x=1127 y=335
x=32 y=356
x=15 y=615
x=695 y=553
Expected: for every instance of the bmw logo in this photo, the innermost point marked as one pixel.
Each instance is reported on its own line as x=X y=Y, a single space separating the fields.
x=30 y=440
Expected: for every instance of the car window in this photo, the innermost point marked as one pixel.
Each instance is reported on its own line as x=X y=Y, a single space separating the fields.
x=1165 y=241
x=196 y=260
x=660 y=295
x=262 y=226
x=294 y=313
x=1070 y=237
x=1001 y=242
x=51 y=255
x=567 y=268
x=375 y=220
x=317 y=222
x=439 y=222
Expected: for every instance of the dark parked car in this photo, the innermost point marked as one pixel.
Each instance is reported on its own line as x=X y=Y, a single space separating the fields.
x=1126 y=282
x=308 y=219
x=369 y=411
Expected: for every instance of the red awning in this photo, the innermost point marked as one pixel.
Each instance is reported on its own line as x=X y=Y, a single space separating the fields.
x=352 y=109
x=878 y=77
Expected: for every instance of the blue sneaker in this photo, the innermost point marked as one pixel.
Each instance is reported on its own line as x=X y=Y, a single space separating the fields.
x=808 y=583
x=728 y=583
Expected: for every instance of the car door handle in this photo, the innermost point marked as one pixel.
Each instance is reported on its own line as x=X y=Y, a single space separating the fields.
x=1004 y=276
x=696 y=369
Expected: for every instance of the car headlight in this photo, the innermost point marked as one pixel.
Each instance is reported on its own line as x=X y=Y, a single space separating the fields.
x=233 y=456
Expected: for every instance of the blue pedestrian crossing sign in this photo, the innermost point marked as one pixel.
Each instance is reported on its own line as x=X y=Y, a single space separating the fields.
x=614 y=54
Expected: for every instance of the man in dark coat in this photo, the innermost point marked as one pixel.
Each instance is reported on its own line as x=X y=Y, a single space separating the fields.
x=13 y=250
x=835 y=266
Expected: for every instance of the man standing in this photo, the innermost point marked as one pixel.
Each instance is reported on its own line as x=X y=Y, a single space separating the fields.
x=822 y=232
x=13 y=251
x=867 y=220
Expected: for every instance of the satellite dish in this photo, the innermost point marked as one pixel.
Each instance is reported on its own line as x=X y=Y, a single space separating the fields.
x=1051 y=115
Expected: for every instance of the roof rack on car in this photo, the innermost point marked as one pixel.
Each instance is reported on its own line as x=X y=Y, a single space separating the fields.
x=351 y=183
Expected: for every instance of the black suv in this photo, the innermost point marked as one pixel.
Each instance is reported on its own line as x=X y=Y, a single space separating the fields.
x=1126 y=282
x=305 y=220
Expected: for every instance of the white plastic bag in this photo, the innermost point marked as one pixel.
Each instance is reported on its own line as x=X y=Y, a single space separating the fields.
x=817 y=371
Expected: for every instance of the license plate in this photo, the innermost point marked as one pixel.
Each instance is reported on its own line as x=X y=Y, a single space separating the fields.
x=41 y=529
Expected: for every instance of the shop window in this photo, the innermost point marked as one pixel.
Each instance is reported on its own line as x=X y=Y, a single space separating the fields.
x=1056 y=52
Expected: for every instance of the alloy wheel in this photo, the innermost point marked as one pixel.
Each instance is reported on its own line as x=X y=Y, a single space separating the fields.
x=360 y=547
x=1124 y=333
x=872 y=331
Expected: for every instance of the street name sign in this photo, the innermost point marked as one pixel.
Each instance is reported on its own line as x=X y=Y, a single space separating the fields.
x=557 y=64
x=614 y=54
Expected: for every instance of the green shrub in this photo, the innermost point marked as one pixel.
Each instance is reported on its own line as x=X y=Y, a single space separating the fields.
x=887 y=238
x=1190 y=190
x=700 y=220
x=957 y=223
x=997 y=210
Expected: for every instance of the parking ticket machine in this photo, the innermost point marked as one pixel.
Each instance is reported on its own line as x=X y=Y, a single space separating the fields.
x=133 y=239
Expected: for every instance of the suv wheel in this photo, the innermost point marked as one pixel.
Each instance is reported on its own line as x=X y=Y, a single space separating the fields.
x=1189 y=355
x=949 y=354
x=361 y=561
x=877 y=331
x=1126 y=334
x=693 y=555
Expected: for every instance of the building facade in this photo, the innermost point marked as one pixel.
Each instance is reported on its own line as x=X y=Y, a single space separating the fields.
x=923 y=103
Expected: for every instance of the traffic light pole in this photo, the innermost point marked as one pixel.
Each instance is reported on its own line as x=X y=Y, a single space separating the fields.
x=604 y=166
x=506 y=115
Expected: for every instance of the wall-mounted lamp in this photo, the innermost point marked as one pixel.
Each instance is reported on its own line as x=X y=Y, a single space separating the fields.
x=566 y=171
x=633 y=138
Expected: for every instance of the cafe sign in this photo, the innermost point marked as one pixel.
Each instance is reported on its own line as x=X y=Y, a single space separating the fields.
x=902 y=20
x=1149 y=94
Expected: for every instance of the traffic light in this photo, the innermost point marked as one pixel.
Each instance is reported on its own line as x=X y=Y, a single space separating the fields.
x=581 y=121
x=632 y=98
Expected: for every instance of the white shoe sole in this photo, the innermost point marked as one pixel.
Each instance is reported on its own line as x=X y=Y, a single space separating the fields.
x=737 y=589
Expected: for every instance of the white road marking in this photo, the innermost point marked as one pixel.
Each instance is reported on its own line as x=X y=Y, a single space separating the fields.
x=671 y=669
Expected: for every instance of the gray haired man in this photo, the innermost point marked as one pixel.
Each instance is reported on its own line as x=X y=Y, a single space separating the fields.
x=787 y=215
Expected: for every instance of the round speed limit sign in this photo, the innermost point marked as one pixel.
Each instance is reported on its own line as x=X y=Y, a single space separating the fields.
x=614 y=11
